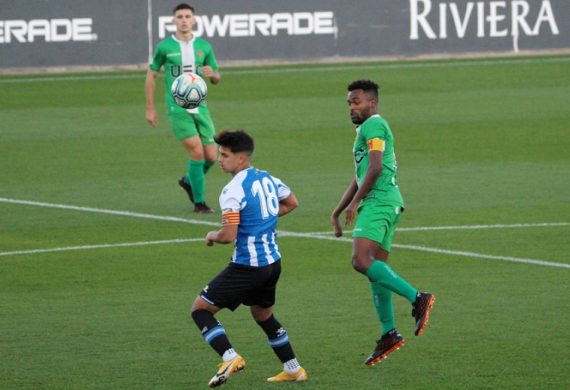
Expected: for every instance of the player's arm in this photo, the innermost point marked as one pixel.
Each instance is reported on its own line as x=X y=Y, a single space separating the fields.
x=229 y=230
x=372 y=174
x=208 y=72
x=227 y=234
x=344 y=201
x=210 y=68
x=149 y=88
x=288 y=204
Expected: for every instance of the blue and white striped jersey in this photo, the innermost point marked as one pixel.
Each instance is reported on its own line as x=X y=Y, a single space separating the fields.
x=251 y=200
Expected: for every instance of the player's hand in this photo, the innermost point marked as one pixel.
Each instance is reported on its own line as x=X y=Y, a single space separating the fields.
x=337 y=229
x=206 y=71
x=210 y=238
x=350 y=213
x=151 y=117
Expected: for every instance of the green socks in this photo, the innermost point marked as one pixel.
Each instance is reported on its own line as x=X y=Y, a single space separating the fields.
x=382 y=299
x=195 y=177
x=381 y=273
x=208 y=165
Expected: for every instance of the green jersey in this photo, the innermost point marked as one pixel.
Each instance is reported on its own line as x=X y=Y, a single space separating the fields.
x=181 y=56
x=375 y=134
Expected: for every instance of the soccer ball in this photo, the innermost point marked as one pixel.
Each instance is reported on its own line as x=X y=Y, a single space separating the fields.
x=189 y=90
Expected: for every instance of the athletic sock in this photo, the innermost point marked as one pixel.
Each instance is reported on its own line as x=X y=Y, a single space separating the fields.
x=207 y=165
x=212 y=331
x=277 y=338
x=291 y=366
x=382 y=299
x=229 y=354
x=195 y=177
x=380 y=272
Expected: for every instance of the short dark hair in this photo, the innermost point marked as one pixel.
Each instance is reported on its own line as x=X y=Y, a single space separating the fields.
x=368 y=86
x=182 y=6
x=237 y=141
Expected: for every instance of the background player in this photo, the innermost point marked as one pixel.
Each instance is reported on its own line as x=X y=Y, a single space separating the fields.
x=183 y=52
x=375 y=195
x=251 y=204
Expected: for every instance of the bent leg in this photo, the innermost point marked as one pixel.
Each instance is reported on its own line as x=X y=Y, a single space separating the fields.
x=195 y=172
x=382 y=299
x=363 y=251
x=212 y=330
x=210 y=156
x=277 y=337
x=365 y=254
x=364 y=261
x=380 y=272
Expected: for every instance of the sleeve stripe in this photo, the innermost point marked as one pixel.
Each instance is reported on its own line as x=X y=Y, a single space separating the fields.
x=230 y=218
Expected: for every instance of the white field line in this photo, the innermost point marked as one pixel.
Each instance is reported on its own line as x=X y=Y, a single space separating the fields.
x=106 y=211
x=305 y=68
x=467 y=227
x=436 y=250
x=483 y=256
x=100 y=246
x=480 y=227
x=399 y=65
x=320 y=236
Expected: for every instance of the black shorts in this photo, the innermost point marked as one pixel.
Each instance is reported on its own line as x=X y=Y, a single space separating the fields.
x=239 y=284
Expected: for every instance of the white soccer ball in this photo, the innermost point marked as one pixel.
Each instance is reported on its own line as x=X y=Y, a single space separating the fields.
x=189 y=90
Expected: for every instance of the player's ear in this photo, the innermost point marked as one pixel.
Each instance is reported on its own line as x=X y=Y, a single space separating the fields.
x=243 y=157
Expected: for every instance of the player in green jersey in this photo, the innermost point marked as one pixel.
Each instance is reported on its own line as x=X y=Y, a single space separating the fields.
x=374 y=195
x=183 y=52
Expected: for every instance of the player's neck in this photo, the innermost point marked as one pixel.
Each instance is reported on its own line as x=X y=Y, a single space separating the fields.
x=187 y=36
x=241 y=167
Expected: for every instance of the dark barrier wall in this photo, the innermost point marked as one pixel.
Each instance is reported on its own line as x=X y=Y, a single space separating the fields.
x=72 y=32
x=47 y=33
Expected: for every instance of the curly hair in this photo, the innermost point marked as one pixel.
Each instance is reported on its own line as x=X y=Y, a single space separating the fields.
x=237 y=141
x=368 y=86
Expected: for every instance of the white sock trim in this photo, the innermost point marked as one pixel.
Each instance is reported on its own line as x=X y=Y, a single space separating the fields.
x=291 y=366
x=229 y=354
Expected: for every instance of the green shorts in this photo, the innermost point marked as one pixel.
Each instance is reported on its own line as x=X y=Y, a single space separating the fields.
x=186 y=125
x=377 y=222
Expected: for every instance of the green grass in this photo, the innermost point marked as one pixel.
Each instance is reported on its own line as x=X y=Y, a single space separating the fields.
x=479 y=142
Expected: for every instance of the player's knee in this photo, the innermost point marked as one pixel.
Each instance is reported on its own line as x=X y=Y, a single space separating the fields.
x=359 y=264
x=261 y=313
x=210 y=157
x=196 y=154
x=198 y=304
x=194 y=148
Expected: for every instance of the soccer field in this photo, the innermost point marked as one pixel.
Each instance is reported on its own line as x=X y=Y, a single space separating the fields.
x=101 y=257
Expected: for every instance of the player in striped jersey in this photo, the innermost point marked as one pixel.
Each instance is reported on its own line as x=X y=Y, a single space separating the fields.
x=251 y=204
